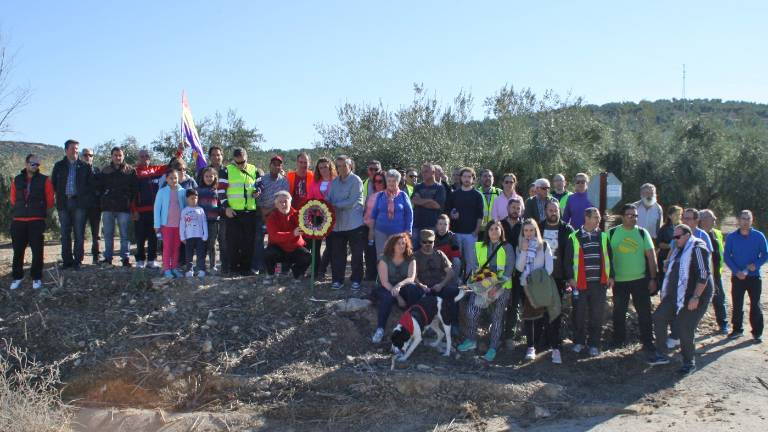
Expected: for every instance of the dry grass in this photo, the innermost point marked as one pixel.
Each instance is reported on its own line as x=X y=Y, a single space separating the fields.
x=29 y=396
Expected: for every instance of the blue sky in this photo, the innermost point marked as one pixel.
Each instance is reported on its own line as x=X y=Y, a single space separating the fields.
x=101 y=70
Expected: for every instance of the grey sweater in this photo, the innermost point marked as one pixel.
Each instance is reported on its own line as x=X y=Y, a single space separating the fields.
x=347 y=199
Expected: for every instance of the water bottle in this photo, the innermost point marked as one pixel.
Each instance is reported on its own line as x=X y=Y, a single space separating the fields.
x=575 y=294
x=159 y=236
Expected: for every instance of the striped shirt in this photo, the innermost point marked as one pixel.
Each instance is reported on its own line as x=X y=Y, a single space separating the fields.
x=590 y=244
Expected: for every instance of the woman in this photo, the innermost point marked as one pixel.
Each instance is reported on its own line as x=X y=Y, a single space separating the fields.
x=499 y=210
x=664 y=239
x=185 y=181
x=325 y=172
x=397 y=280
x=370 y=255
x=392 y=212
x=497 y=256
x=532 y=254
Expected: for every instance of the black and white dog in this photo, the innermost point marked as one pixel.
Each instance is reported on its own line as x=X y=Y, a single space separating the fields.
x=428 y=312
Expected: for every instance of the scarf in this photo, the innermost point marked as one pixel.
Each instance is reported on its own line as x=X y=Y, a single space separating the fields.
x=391 y=201
x=684 y=256
x=530 y=258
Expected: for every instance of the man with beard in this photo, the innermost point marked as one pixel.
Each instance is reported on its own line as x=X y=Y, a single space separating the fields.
x=649 y=213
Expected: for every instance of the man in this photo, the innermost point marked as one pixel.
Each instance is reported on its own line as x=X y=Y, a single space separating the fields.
x=489 y=193
x=634 y=262
x=577 y=202
x=512 y=224
x=410 y=181
x=216 y=160
x=117 y=183
x=270 y=183
x=746 y=251
x=707 y=220
x=434 y=273
x=428 y=200
x=241 y=210
x=467 y=215
x=556 y=233
x=286 y=245
x=441 y=178
x=589 y=270
x=560 y=193
x=31 y=198
x=143 y=209
x=691 y=218
x=346 y=196
x=535 y=206
x=73 y=184
x=92 y=203
x=685 y=295
x=374 y=167
x=649 y=211
x=300 y=180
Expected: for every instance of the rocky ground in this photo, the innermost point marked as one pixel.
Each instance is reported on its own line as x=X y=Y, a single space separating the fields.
x=140 y=354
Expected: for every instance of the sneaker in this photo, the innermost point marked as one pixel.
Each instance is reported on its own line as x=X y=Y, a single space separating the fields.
x=556 y=357
x=177 y=273
x=490 y=355
x=267 y=280
x=687 y=369
x=724 y=330
x=37 y=284
x=378 y=335
x=530 y=353
x=297 y=280
x=201 y=274
x=757 y=339
x=16 y=284
x=214 y=269
x=658 y=359
x=336 y=286
x=735 y=334
x=152 y=265
x=96 y=260
x=190 y=274
x=106 y=263
x=355 y=286
x=577 y=348
x=126 y=262
x=467 y=345
x=168 y=274
x=671 y=343
x=140 y=264
x=594 y=352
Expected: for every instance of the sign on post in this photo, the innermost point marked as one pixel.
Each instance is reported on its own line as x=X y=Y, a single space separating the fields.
x=604 y=192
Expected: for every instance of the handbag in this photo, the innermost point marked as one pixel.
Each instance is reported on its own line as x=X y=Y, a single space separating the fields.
x=486 y=284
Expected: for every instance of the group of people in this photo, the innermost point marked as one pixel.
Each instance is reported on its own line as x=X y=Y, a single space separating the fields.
x=414 y=239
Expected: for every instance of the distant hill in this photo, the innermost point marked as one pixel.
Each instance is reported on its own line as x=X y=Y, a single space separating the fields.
x=12 y=154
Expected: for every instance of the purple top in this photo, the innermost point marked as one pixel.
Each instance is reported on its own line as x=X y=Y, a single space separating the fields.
x=574 y=209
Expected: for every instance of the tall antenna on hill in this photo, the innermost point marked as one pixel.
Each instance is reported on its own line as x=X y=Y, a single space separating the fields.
x=685 y=105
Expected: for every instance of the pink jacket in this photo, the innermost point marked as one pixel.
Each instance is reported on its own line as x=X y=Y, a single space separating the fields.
x=314 y=190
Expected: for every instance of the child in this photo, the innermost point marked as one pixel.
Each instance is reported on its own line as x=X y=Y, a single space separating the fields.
x=194 y=233
x=168 y=205
x=208 y=198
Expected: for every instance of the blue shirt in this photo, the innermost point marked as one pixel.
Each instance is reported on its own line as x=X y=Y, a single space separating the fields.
x=402 y=220
x=71 y=189
x=741 y=251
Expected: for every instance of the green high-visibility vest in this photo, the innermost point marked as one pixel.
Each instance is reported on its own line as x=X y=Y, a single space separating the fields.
x=409 y=189
x=241 y=186
x=606 y=271
x=564 y=201
x=481 y=251
x=720 y=246
x=488 y=204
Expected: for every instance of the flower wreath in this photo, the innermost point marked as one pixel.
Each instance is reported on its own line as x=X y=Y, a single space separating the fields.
x=316 y=219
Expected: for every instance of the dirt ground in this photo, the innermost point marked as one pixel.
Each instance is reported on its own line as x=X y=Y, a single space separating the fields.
x=229 y=354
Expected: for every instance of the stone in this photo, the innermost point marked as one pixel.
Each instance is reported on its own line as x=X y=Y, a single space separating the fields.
x=207 y=346
x=540 y=412
x=352 y=305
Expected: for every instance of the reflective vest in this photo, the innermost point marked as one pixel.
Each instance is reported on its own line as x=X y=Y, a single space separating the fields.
x=579 y=272
x=241 y=186
x=720 y=246
x=409 y=190
x=488 y=205
x=481 y=251
x=564 y=201
x=365 y=190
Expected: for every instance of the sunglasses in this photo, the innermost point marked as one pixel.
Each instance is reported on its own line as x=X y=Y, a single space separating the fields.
x=87 y=154
x=378 y=181
x=678 y=237
x=413 y=176
x=34 y=164
x=631 y=215
x=544 y=187
x=427 y=241
x=372 y=169
x=580 y=182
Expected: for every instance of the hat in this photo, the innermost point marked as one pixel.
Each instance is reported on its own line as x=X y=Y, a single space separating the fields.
x=541 y=183
x=277 y=157
x=427 y=234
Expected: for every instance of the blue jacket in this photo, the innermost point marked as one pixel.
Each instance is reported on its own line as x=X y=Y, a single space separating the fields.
x=402 y=220
x=162 y=203
x=741 y=251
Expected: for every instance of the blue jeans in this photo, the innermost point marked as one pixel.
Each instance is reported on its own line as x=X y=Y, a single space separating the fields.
x=108 y=222
x=72 y=219
x=411 y=293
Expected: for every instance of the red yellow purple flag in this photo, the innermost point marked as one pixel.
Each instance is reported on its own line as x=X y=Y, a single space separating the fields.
x=189 y=134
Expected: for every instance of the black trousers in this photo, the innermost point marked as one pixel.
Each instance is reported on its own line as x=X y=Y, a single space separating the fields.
x=641 y=300
x=298 y=260
x=241 y=231
x=751 y=286
x=514 y=307
x=544 y=327
x=25 y=234
x=589 y=313
x=371 y=257
x=93 y=218
x=322 y=260
x=356 y=240
x=196 y=247
x=145 y=233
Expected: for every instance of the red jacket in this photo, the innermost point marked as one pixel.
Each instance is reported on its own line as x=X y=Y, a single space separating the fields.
x=22 y=195
x=280 y=230
x=309 y=180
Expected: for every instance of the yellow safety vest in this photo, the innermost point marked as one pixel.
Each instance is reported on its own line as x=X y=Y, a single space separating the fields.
x=564 y=201
x=241 y=187
x=488 y=205
x=720 y=246
x=481 y=251
x=606 y=271
x=409 y=189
